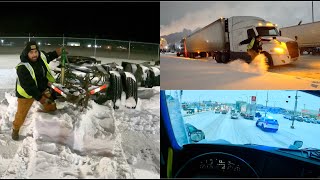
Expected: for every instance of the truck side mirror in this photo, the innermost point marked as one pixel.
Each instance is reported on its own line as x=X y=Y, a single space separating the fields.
x=298 y=144
x=196 y=136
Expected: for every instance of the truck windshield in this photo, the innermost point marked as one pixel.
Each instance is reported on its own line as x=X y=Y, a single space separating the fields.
x=267 y=31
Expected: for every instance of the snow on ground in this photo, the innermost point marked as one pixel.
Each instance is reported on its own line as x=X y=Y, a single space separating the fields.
x=243 y=131
x=186 y=73
x=97 y=143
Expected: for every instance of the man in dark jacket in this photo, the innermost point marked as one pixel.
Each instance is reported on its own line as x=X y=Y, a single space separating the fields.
x=32 y=83
x=254 y=46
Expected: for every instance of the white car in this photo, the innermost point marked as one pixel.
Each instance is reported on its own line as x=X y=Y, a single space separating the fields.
x=234 y=116
x=267 y=124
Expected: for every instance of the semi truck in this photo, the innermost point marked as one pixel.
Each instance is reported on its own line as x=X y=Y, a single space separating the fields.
x=247 y=111
x=307 y=36
x=221 y=39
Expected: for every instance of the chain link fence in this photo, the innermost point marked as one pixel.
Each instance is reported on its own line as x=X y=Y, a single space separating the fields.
x=103 y=48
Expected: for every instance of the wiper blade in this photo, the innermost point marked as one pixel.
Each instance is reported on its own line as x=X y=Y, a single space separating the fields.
x=309 y=152
x=312 y=152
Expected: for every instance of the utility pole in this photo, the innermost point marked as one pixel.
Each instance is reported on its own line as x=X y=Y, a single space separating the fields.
x=265 y=114
x=295 y=110
x=312 y=13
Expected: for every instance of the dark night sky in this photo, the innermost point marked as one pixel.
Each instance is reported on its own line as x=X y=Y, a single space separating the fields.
x=108 y=20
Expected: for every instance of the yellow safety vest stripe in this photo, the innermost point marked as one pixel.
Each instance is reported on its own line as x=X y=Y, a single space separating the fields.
x=50 y=78
x=251 y=44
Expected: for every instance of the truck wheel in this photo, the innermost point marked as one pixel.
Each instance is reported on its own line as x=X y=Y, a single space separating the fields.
x=148 y=82
x=269 y=60
x=218 y=57
x=155 y=79
x=115 y=90
x=224 y=58
x=130 y=87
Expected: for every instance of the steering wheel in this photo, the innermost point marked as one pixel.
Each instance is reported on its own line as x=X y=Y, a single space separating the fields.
x=216 y=165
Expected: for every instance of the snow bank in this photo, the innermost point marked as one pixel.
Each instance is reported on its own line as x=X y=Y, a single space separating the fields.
x=96 y=143
x=8 y=78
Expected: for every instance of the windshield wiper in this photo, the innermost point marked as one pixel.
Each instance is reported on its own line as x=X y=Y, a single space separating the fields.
x=307 y=152
x=312 y=152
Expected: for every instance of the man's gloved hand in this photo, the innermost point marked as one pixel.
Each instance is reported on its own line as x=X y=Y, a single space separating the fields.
x=47 y=93
x=43 y=99
x=59 y=51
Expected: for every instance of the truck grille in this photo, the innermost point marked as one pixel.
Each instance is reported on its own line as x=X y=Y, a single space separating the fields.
x=293 y=49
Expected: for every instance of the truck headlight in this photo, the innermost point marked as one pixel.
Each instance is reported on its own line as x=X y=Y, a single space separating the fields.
x=278 y=50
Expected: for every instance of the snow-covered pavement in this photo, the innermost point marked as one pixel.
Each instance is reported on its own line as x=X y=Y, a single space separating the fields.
x=186 y=73
x=244 y=131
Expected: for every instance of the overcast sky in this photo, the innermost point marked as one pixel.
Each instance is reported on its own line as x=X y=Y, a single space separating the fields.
x=276 y=98
x=175 y=16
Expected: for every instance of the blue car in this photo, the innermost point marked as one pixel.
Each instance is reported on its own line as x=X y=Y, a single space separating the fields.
x=267 y=124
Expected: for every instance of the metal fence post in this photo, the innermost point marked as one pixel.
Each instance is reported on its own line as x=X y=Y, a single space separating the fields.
x=95 y=47
x=63 y=40
x=129 y=51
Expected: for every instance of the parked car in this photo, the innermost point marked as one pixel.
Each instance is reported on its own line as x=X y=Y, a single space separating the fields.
x=234 y=116
x=224 y=111
x=267 y=124
x=299 y=118
x=307 y=120
x=288 y=116
x=194 y=134
x=313 y=120
x=217 y=111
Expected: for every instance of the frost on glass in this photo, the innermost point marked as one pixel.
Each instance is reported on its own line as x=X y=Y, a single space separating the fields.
x=177 y=121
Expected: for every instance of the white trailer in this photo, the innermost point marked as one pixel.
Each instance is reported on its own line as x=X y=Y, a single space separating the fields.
x=308 y=36
x=221 y=39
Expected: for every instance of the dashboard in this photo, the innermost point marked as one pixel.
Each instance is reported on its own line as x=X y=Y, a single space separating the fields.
x=246 y=161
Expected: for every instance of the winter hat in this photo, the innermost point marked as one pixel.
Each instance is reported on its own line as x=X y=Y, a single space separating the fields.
x=31 y=45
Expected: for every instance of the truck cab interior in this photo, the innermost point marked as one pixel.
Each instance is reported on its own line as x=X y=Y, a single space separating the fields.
x=220 y=159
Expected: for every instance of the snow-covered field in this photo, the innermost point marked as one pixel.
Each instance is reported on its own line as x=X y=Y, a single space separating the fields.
x=244 y=131
x=97 y=143
x=205 y=73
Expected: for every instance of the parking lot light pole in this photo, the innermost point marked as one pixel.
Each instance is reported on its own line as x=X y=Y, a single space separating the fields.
x=295 y=110
x=265 y=112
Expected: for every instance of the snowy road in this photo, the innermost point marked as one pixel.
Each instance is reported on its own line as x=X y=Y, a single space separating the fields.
x=244 y=131
x=308 y=66
x=186 y=73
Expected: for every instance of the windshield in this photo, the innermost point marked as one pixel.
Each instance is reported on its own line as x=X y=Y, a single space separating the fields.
x=267 y=31
x=263 y=116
